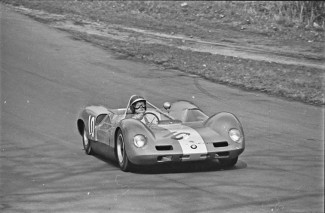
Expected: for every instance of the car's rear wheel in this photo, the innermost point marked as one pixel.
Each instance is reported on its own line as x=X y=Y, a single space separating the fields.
x=121 y=155
x=86 y=143
x=228 y=163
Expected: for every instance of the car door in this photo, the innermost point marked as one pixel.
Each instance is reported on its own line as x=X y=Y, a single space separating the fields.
x=104 y=129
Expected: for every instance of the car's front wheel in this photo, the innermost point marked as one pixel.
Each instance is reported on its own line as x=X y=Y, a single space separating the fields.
x=86 y=143
x=121 y=155
x=228 y=163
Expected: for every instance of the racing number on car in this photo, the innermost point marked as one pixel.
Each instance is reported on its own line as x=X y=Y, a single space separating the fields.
x=91 y=126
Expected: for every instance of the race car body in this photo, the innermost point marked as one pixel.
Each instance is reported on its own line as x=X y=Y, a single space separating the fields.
x=180 y=132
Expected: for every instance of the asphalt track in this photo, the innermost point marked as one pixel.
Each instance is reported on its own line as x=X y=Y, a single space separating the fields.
x=47 y=78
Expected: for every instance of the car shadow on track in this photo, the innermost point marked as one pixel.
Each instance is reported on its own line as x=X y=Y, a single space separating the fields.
x=107 y=160
x=185 y=167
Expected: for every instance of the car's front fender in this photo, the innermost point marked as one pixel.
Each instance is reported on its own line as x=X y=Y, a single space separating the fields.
x=130 y=128
x=224 y=121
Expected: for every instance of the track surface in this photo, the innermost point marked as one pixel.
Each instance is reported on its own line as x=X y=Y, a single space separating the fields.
x=47 y=78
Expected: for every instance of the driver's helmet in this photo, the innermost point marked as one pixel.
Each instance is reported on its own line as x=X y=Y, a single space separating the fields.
x=134 y=99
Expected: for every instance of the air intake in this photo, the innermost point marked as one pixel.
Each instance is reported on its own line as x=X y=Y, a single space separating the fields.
x=164 y=148
x=220 y=144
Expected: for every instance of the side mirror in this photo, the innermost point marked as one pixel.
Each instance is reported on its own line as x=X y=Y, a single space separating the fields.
x=167 y=105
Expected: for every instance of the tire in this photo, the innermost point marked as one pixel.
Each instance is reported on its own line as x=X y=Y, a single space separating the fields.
x=228 y=163
x=86 y=143
x=122 y=158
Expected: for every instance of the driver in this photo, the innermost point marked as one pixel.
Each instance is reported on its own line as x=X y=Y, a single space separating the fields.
x=138 y=106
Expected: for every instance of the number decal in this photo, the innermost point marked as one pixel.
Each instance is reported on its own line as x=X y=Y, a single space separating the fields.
x=91 y=125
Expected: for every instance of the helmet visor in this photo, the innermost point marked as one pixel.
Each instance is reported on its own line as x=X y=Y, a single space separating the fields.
x=139 y=105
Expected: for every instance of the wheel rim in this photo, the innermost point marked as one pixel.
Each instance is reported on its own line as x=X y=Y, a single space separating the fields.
x=120 y=149
x=85 y=140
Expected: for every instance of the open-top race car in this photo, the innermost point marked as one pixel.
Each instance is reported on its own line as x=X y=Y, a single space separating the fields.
x=179 y=132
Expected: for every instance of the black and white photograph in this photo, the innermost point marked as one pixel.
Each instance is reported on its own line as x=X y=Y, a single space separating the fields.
x=162 y=106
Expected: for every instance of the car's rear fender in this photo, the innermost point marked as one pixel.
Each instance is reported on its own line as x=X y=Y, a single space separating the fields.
x=89 y=118
x=82 y=122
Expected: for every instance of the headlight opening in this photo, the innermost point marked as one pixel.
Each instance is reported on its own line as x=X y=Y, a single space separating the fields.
x=139 y=141
x=235 y=135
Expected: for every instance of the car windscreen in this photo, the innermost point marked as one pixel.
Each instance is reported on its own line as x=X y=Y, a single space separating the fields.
x=193 y=115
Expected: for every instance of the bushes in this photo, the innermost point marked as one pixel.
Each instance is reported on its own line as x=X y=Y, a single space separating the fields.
x=300 y=12
x=311 y=11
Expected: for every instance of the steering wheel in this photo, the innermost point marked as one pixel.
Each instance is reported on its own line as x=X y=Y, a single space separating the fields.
x=150 y=119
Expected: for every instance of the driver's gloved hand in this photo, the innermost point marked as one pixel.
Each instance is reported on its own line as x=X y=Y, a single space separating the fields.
x=138 y=116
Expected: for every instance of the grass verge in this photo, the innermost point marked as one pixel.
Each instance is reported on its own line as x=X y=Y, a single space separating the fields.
x=297 y=83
